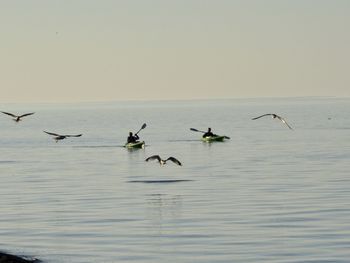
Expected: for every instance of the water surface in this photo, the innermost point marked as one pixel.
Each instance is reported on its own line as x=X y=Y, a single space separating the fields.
x=268 y=195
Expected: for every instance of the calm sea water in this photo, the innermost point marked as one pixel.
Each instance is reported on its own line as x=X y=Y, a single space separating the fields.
x=269 y=194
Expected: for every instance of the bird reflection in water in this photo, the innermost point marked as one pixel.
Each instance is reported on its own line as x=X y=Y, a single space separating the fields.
x=163 y=210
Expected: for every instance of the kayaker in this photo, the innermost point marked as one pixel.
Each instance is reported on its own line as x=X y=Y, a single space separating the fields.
x=132 y=138
x=208 y=133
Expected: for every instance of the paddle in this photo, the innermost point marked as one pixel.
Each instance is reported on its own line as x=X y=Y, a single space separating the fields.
x=195 y=130
x=142 y=127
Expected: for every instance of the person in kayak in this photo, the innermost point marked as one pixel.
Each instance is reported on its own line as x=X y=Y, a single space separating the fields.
x=209 y=133
x=132 y=138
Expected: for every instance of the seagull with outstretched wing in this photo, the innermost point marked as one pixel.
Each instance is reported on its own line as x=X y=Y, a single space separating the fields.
x=274 y=116
x=58 y=137
x=17 y=118
x=161 y=161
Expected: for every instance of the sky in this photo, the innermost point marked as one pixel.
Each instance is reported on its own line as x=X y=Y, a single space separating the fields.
x=110 y=50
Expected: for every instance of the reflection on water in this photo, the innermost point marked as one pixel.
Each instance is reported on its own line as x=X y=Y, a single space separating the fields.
x=163 y=209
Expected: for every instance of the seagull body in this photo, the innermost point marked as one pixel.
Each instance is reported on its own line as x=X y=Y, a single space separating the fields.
x=161 y=161
x=58 y=137
x=17 y=118
x=274 y=116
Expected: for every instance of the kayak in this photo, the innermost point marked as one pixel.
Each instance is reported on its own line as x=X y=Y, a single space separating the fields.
x=133 y=145
x=213 y=139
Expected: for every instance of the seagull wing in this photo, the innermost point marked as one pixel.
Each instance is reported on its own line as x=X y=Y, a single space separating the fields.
x=78 y=135
x=12 y=115
x=27 y=114
x=268 y=114
x=51 y=133
x=153 y=157
x=284 y=121
x=174 y=160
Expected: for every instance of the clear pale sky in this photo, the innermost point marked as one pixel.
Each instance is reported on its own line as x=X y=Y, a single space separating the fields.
x=84 y=50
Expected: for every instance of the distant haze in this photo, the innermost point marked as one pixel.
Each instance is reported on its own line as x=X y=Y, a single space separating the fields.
x=87 y=50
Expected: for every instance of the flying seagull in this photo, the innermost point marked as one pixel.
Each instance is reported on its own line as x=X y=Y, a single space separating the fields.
x=58 y=137
x=17 y=118
x=161 y=161
x=274 y=116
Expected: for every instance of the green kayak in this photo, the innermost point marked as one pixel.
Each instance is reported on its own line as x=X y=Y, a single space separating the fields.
x=133 y=145
x=213 y=138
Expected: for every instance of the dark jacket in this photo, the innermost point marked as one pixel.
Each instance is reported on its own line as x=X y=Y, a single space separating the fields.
x=208 y=134
x=133 y=138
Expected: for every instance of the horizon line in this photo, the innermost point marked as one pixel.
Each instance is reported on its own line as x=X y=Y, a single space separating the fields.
x=175 y=100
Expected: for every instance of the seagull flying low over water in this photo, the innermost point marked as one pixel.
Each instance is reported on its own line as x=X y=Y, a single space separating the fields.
x=274 y=116
x=58 y=137
x=161 y=161
x=17 y=118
